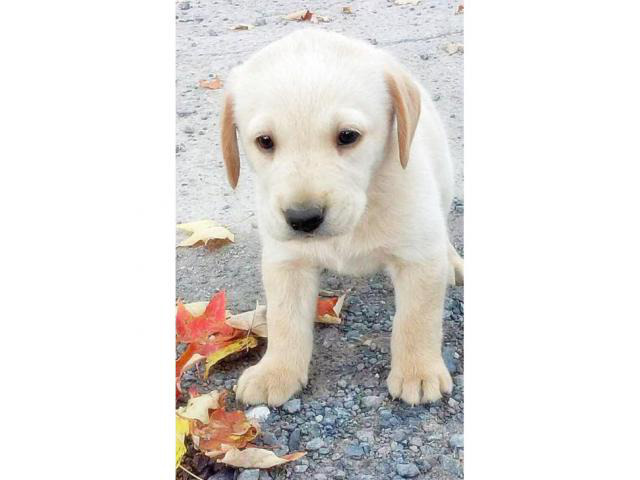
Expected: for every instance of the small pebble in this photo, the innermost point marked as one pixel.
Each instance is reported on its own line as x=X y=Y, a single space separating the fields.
x=371 y=401
x=292 y=406
x=457 y=440
x=315 y=444
x=407 y=470
x=294 y=440
x=354 y=451
x=252 y=474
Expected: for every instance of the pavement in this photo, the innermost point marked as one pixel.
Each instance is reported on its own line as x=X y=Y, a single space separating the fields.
x=346 y=421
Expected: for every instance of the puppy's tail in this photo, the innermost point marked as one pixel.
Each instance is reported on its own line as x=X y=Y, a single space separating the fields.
x=456 y=267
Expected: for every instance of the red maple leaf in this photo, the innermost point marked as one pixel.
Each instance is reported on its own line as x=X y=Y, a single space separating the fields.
x=190 y=328
x=325 y=306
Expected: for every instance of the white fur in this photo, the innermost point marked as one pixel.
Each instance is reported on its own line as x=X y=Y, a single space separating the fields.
x=302 y=90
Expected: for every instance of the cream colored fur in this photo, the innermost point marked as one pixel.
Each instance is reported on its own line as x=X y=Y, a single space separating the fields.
x=386 y=199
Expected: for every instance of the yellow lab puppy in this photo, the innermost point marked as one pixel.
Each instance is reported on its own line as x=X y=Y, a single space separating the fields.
x=354 y=175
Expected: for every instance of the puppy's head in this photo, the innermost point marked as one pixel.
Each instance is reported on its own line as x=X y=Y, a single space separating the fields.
x=316 y=113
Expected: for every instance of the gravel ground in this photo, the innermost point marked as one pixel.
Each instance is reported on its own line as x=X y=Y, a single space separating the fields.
x=344 y=418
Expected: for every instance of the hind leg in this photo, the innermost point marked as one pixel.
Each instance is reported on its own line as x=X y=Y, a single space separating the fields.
x=456 y=266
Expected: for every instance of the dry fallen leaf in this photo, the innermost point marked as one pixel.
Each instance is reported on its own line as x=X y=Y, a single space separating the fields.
x=452 y=48
x=197 y=328
x=205 y=232
x=214 y=84
x=256 y=320
x=329 y=308
x=206 y=332
x=346 y=10
x=197 y=408
x=299 y=15
x=459 y=9
x=234 y=347
x=328 y=311
x=182 y=428
x=224 y=431
x=257 y=458
x=406 y=2
x=242 y=26
x=306 y=16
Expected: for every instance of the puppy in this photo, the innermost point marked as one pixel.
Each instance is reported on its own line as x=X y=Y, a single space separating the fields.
x=354 y=175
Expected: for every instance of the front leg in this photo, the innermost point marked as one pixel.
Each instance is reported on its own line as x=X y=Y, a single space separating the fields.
x=291 y=289
x=418 y=372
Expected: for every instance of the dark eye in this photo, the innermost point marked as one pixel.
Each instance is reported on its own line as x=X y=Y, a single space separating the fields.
x=347 y=137
x=265 y=142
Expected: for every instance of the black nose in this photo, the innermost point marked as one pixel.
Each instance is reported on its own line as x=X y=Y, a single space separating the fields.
x=304 y=219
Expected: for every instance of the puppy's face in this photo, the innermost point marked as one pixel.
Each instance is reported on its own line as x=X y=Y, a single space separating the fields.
x=314 y=119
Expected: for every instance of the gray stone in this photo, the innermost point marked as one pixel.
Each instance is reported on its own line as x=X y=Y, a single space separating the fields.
x=293 y=405
x=365 y=436
x=398 y=435
x=371 y=401
x=451 y=465
x=417 y=441
x=354 y=451
x=342 y=383
x=457 y=440
x=252 y=474
x=184 y=5
x=315 y=444
x=450 y=361
x=407 y=470
x=300 y=468
x=294 y=440
x=260 y=22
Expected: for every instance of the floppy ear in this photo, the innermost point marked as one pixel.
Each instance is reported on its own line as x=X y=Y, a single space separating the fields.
x=405 y=97
x=230 y=142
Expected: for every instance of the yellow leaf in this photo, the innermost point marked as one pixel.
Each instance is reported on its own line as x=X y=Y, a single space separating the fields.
x=234 y=347
x=257 y=458
x=182 y=428
x=205 y=232
x=197 y=408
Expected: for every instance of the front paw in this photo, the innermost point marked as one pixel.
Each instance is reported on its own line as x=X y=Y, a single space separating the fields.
x=421 y=383
x=269 y=382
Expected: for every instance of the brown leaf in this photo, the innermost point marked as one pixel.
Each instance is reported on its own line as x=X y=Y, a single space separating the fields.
x=214 y=84
x=257 y=458
x=225 y=430
x=459 y=9
x=346 y=10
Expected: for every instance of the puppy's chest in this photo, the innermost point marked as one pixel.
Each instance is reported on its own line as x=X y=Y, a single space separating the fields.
x=347 y=261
